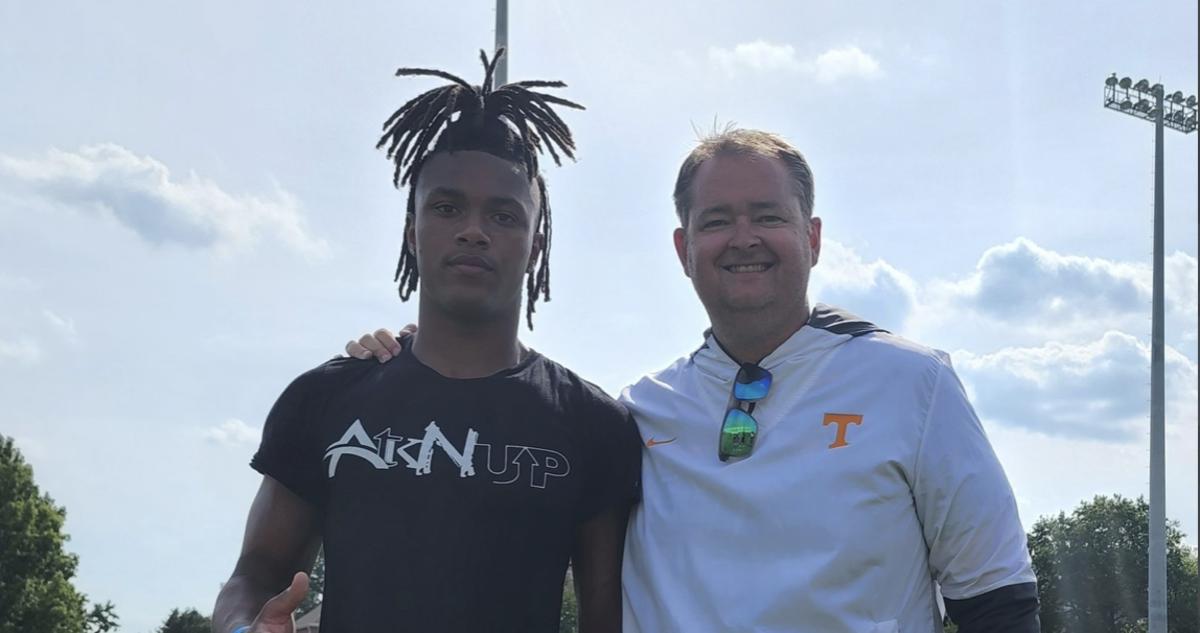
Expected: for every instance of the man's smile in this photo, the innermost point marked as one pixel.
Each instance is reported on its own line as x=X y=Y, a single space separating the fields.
x=747 y=268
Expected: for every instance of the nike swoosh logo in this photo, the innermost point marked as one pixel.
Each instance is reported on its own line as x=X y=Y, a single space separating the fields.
x=651 y=443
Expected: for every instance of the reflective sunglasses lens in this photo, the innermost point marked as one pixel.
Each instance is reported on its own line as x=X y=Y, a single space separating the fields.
x=752 y=383
x=738 y=433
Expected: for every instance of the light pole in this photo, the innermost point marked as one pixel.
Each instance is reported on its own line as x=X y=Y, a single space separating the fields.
x=1151 y=103
x=501 y=42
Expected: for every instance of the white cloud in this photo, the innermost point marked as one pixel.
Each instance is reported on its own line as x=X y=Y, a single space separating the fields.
x=1033 y=293
x=850 y=61
x=10 y=282
x=140 y=193
x=1096 y=390
x=24 y=350
x=1020 y=278
x=1180 y=281
x=64 y=325
x=234 y=432
x=877 y=290
x=761 y=56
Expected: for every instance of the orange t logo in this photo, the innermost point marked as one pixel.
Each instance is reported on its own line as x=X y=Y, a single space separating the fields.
x=842 y=420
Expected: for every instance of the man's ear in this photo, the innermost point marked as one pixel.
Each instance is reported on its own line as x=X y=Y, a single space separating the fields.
x=814 y=239
x=410 y=235
x=535 y=249
x=681 y=249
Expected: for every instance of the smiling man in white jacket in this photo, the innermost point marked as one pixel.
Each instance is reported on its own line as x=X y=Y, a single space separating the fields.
x=805 y=470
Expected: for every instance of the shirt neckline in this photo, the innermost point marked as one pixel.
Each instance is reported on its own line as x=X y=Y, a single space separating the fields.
x=407 y=354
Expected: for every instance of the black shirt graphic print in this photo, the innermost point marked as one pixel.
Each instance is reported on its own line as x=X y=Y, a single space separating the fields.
x=448 y=505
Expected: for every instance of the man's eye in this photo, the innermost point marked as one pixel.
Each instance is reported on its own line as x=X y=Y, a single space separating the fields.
x=713 y=224
x=770 y=219
x=444 y=209
x=505 y=218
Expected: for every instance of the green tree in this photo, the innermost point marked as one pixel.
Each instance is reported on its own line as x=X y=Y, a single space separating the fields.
x=569 y=614
x=189 y=621
x=1091 y=567
x=102 y=618
x=36 y=593
x=568 y=619
x=316 y=585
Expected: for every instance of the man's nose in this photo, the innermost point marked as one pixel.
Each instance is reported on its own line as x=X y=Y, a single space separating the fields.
x=471 y=233
x=744 y=235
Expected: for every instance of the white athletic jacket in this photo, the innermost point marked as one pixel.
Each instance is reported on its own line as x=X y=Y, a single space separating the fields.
x=871 y=480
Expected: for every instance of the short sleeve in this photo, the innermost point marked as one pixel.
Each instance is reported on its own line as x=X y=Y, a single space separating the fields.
x=613 y=457
x=286 y=452
x=964 y=501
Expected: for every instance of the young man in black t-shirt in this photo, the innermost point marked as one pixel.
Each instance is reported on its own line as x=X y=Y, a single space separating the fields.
x=450 y=488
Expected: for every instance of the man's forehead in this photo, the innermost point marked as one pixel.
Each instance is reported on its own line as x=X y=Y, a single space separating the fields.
x=741 y=178
x=475 y=174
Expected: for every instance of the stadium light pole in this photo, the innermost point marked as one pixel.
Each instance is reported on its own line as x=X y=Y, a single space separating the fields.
x=502 y=42
x=1152 y=103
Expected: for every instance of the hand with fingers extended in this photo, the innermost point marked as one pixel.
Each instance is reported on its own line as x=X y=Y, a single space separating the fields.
x=277 y=615
x=382 y=345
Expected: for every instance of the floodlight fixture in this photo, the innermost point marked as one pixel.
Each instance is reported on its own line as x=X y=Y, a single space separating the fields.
x=1145 y=101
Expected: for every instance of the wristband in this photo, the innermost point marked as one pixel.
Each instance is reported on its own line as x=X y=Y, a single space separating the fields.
x=241 y=629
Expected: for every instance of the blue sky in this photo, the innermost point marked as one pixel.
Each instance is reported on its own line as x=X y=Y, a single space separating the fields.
x=192 y=212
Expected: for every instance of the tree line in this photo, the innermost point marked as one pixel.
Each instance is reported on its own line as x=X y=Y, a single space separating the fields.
x=1091 y=566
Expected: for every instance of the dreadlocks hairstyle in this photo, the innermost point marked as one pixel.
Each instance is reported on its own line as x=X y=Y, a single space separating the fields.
x=512 y=122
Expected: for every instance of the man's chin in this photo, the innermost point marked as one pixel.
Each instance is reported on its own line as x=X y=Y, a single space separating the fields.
x=743 y=304
x=748 y=300
x=472 y=307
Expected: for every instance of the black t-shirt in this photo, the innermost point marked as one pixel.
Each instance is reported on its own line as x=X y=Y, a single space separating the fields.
x=448 y=505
